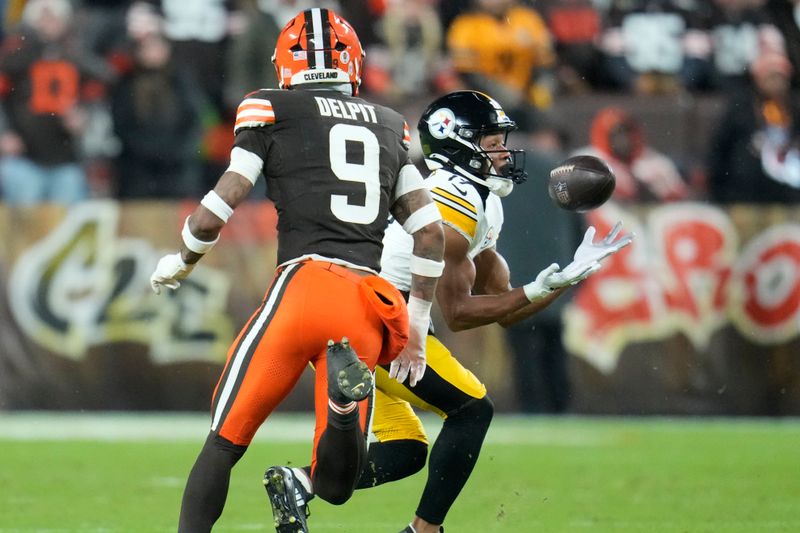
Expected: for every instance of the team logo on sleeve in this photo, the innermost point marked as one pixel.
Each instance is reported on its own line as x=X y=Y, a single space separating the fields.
x=442 y=123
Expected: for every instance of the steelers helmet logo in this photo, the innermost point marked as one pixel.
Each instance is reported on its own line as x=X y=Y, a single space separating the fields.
x=502 y=118
x=442 y=123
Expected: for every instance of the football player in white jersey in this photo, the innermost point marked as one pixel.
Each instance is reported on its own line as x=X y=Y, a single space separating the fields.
x=463 y=137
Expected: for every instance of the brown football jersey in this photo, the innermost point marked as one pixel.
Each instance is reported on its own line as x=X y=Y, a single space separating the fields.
x=331 y=163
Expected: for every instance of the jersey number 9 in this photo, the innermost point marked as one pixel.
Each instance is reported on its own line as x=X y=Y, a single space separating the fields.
x=367 y=173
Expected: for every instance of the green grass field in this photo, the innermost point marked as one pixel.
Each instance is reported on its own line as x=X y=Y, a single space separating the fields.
x=126 y=473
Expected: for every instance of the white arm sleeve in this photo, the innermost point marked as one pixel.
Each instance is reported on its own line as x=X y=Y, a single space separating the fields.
x=408 y=180
x=246 y=164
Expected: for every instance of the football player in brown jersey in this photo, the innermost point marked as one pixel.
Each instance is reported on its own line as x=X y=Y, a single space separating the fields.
x=336 y=167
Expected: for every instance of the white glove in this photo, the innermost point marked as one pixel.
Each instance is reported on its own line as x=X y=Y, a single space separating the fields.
x=411 y=361
x=573 y=274
x=169 y=270
x=540 y=287
x=551 y=279
x=589 y=251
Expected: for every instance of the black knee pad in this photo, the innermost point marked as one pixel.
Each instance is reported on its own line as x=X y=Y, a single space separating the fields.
x=479 y=412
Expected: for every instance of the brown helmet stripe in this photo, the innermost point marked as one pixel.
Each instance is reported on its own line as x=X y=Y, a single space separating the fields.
x=318 y=38
x=309 y=43
x=326 y=37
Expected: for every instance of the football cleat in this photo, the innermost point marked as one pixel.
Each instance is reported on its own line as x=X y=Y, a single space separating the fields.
x=288 y=498
x=349 y=378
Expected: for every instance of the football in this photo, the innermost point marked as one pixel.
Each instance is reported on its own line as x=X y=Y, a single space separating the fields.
x=581 y=183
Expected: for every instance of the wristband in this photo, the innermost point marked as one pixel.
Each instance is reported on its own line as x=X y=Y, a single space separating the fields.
x=214 y=203
x=419 y=308
x=193 y=243
x=426 y=267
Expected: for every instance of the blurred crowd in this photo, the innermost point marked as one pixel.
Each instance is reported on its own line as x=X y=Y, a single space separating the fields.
x=134 y=99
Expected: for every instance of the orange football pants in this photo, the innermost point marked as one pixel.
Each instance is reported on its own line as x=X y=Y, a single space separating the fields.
x=306 y=304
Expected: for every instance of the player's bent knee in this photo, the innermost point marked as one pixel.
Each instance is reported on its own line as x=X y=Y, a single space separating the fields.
x=418 y=455
x=408 y=456
x=221 y=447
x=478 y=413
x=487 y=408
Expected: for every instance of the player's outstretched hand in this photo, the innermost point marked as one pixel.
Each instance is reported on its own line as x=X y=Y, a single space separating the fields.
x=590 y=251
x=572 y=274
x=586 y=262
x=168 y=273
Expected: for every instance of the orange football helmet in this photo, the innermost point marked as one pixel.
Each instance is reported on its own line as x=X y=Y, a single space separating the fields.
x=318 y=46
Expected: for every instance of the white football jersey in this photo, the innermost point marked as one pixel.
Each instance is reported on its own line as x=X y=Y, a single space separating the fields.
x=468 y=208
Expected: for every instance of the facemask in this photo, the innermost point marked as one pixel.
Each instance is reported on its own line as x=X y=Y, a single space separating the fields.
x=502 y=187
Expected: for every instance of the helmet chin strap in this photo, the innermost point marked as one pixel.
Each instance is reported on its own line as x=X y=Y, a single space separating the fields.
x=496 y=181
x=502 y=187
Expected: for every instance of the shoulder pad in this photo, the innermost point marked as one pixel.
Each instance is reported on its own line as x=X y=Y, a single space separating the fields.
x=458 y=201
